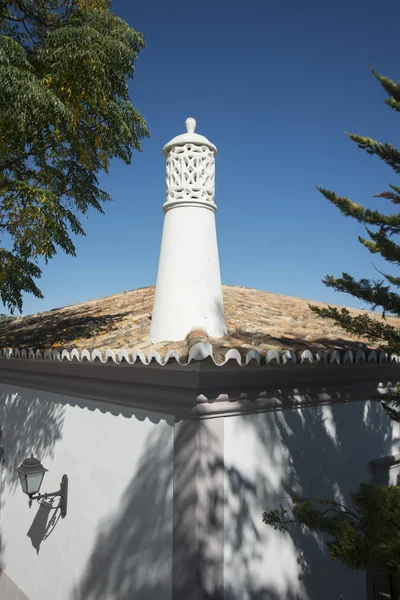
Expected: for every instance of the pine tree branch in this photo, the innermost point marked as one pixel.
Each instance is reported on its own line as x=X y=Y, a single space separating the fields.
x=361 y=214
x=374 y=293
x=391 y=88
x=363 y=326
x=381 y=244
x=393 y=280
x=393 y=197
x=386 y=152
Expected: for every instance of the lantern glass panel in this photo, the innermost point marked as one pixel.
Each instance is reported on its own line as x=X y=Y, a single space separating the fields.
x=34 y=481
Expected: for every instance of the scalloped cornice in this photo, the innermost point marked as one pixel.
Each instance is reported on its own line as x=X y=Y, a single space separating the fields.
x=201 y=351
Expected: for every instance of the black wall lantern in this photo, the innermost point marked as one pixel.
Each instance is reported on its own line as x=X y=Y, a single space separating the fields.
x=31 y=473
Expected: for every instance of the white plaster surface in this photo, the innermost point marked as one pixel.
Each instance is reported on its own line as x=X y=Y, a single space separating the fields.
x=119 y=521
x=311 y=451
x=188 y=290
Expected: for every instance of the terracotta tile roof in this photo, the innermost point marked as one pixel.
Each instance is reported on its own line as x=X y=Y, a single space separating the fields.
x=255 y=320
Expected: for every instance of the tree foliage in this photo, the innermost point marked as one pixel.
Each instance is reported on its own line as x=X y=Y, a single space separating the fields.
x=369 y=528
x=382 y=231
x=65 y=113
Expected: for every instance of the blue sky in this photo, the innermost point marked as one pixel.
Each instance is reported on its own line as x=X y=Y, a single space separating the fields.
x=275 y=85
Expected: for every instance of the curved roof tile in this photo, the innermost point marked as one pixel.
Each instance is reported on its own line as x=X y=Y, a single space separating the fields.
x=263 y=327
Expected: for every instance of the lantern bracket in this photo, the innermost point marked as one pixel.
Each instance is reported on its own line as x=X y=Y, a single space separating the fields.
x=62 y=493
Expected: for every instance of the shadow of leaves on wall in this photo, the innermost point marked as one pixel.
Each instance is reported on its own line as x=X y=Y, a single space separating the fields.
x=131 y=558
x=30 y=425
x=319 y=450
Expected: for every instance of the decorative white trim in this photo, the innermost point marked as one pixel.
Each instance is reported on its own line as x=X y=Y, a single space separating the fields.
x=201 y=351
x=189 y=204
x=203 y=389
x=190 y=174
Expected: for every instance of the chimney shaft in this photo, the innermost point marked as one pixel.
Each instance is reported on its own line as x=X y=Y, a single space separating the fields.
x=188 y=288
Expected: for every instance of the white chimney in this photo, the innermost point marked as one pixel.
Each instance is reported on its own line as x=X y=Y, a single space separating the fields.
x=188 y=288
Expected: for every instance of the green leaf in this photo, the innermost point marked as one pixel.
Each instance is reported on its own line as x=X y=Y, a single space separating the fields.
x=65 y=113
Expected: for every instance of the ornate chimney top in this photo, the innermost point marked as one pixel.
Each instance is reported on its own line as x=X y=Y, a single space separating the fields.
x=190 y=137
x=190 y=167
x=188 y=288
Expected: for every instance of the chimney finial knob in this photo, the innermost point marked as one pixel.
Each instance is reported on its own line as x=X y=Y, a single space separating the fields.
x=190 y=125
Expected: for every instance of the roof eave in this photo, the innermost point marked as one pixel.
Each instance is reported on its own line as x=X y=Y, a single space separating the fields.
x=202 y=389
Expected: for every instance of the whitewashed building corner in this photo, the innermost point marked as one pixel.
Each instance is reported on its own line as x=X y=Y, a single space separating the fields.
x=192 y=409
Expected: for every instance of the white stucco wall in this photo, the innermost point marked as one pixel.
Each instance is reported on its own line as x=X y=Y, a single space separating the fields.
x=119 y=521
x=313 y=451
x=188 y=288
